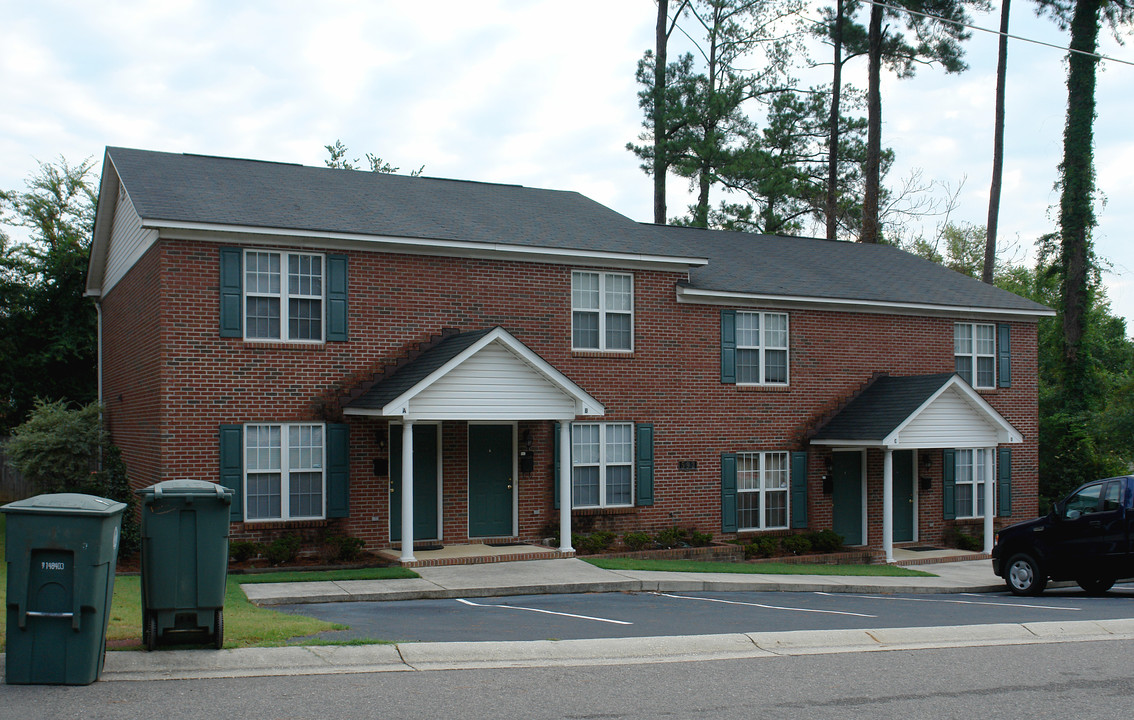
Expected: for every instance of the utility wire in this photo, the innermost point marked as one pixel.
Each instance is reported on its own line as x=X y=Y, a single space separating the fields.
x=997 y=32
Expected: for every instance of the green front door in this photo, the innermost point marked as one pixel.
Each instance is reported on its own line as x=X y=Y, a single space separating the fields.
x=490 y=480
x=846 y=496
x=903 y=495
x=424 y=482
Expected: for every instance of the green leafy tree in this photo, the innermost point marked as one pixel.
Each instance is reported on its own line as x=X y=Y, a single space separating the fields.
x=337 y=158
x=48 y=329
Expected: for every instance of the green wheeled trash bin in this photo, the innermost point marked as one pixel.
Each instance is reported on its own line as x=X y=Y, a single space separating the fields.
x=184 y=560
x=62 y=550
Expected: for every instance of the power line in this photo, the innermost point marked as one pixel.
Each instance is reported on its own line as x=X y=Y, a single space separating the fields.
x=997 y=33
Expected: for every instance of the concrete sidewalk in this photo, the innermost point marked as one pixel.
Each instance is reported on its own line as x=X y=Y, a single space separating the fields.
x=541 y=577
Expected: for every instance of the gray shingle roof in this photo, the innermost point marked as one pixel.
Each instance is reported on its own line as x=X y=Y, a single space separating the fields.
x=413 y=372
x=881 y=408
x=248 y=193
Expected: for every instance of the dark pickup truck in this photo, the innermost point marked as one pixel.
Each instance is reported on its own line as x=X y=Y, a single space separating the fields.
x=1086 y=538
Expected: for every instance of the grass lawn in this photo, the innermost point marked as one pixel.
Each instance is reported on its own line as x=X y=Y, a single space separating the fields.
x=245 y=625
x=753 y=568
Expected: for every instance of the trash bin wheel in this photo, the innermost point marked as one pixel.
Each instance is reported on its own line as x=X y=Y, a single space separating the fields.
x=218 y=628
x=150 y=631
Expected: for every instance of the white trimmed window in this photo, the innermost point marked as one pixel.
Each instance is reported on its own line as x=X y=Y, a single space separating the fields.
x=284 y=476
x=974 y=352
x=970 y=475
x=762 y=482
x=761 y=348
x=283 y=296
x=602 y=465
x=602 y=311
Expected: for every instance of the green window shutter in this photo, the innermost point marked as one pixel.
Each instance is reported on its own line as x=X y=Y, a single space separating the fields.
x=948 y=483
x=556 y=463
x=644 y=451
x=799 y=490
x=338 y=470
x=728 y=492
x=232 y=467
x=336 y=298
x=1004 y=483
x=231 y=305
x=728 y=346
x=1004 y=354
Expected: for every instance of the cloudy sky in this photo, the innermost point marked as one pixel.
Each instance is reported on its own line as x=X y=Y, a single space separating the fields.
x=534 y=92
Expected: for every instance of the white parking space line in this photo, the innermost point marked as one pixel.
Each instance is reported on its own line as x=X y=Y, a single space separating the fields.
x=545 y=612
x=955 y=602
x=766 y=607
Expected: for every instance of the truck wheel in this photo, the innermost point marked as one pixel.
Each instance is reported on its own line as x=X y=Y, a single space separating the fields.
x=218 y=628
x=1025 y=576
x=1095 y=586
x=150 y=632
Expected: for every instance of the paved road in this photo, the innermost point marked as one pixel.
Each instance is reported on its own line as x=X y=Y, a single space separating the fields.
x=1083 y=680
x=614 y=615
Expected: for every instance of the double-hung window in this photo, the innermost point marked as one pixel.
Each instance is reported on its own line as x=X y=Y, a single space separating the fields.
x=970 y=474
x=762 y=483
x=602 y=311
x=602 y=465
x=761 y=348
x=283 y=296
x=284 y=472
x=974 y=351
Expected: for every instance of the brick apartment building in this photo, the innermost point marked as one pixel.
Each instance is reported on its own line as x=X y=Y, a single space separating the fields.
x=543 y=362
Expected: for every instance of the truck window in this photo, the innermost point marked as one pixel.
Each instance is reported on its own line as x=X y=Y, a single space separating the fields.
x=1112 y=496
x=1083 y=502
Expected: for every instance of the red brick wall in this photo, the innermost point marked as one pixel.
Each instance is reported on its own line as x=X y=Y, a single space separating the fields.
x=672 y=379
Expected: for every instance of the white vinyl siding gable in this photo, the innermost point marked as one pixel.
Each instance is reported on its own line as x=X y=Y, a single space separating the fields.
x=129 y=241
x=948 y=422
x=493 y=384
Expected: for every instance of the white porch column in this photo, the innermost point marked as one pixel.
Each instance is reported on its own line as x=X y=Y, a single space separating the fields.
x=407 y=491
x=989 y=495
x=888 y=504
x=565 y=487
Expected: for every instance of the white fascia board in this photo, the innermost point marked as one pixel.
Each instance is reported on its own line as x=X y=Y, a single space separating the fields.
x=105 y=207
x=721 y=297
x=584 y=403
x=1005 y=432
x=849 y=444
x=421 y=246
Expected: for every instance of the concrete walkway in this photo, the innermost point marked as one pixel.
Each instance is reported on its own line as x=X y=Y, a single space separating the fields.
x=540 y=577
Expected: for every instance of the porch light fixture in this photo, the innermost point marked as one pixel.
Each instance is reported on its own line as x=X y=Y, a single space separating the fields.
x=380 y=438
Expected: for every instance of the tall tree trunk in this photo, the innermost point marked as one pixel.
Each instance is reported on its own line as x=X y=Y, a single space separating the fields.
x=704 y=180
x=833 y=143
x=997 y=150
x=870 y=226
x=1076 y=214
x=661 y=164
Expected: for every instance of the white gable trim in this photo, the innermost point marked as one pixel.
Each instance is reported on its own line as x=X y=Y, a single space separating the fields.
x=979 y=424
x=416 y=403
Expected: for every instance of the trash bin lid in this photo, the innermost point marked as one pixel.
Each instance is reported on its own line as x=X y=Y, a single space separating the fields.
x=183 y=488
x=65 y=504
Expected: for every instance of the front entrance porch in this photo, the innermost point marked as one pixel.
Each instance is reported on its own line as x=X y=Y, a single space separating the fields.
x=482 y=385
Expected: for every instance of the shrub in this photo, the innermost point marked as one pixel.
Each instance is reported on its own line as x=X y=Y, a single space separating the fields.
x=282 y=549
x=344 y=547
x=637 y=540
x=243 y=550
x=671 y=538
x=761 y=547
x=797 y=544
x=825 y=541
x=700 y=539
x=595 y=542
x=955 y=537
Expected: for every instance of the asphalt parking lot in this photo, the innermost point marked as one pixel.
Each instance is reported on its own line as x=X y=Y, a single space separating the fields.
x=650 y=614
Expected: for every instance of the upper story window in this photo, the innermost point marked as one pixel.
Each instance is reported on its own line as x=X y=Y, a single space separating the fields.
x=283 y=296
x=602 y=311
x=974 y=352
x=761 y=348
x=284 y=472
x=602 y=465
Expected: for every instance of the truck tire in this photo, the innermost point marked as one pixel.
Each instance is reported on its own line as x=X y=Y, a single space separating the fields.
x=1096 y=586
x=1024 y=576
